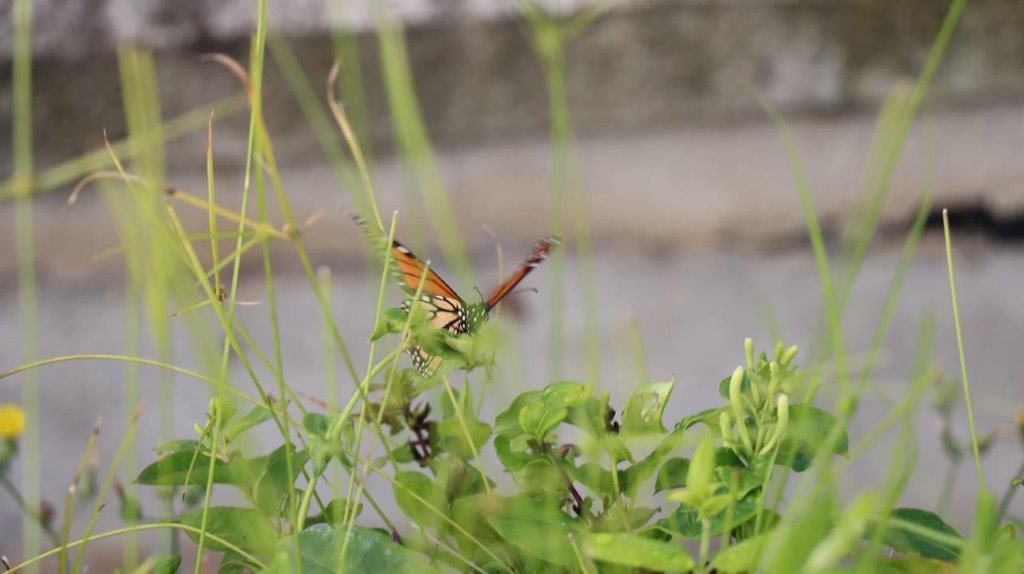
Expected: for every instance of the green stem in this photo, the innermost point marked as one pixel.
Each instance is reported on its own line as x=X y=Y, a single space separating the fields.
x=960 y=350
x=29 y=513
x=705 y=542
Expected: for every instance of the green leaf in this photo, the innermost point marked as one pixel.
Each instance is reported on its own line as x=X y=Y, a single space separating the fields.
x=685 y=521
x=452 y=438
x=334 y=512
x=273 y=482
x=632 y=477
x=808 y=427
x=252 y=418
x=645 y=407
x=541 y=478
x=723 y=385
x=316 y=423
x=368 y=550
x=420 y=498
x=537 y=530
x=637 y=552
x=740 y=557
x=246 y=528
x=507 y=423
x=914 y=565
x=701 y=473
x=903 y=540
x=512 y=460
x=164 y=449
x=672 y=474
x=708 y=417
x=172 y=470
x=552 y=407
x=592 y=475
x=159 y=564
x=391 y=321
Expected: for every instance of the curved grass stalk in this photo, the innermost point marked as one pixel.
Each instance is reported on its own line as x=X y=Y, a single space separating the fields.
x=123 y=358
x=136 y=528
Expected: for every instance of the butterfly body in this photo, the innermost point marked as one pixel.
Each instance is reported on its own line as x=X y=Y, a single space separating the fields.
x=446 y=309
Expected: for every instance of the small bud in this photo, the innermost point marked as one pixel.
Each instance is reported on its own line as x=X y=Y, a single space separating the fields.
x=748 y=350
x=779 y=347
x=776 y=378
x=725 y=425
x=788 y=355
x=736 y=401
x=781 y=424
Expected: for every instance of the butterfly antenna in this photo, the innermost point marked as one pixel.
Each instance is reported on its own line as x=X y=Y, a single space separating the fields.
x=477 y=289
x=524 y=289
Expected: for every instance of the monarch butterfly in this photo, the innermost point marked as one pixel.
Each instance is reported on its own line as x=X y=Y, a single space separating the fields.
x=446 y=309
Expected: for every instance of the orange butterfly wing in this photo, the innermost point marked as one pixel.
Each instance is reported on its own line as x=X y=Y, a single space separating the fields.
x=408 y=268
x=537 y=256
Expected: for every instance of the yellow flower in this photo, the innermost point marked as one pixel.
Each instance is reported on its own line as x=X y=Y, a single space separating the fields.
x=12 y=421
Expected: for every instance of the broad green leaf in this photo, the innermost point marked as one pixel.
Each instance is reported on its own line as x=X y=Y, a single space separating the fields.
x=334 y=512
x=915 y=565
x=672 y=474
x=274 y=482
x=701 y=473
x=685 y=521
x=632 y=477
x=233 y=563
x=368 y=550
x=645 y=407
x=538 y=530
x=540 y=477
x=316 y=423
x=740 y=557
x=173 y=469
x=903 y=540
x=160 y=564
x=591 y=414
x=457 y=477
x=164 y=449
x=551 y=407
x=637 y=552
x=592 y=475
x=246 y=528
x=723 y=385
x=469 y=512
x=420 y=498
x=708 y=417
x=507 y=423
x=235 y=427
x=808 y=427
x=616 y=519
x=512 y=460
x=452 y=437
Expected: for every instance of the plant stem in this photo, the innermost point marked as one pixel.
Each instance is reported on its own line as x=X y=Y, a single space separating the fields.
x=1004 y=502
x=29 y=513
x=960 y=350
x=705 y=542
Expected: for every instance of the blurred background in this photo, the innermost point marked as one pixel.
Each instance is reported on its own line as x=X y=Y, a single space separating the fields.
x=663 y=164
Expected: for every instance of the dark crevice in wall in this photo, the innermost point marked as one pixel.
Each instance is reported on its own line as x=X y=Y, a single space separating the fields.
x=978 y=219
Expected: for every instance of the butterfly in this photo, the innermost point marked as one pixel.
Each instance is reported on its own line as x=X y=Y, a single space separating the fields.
x=445 y=308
